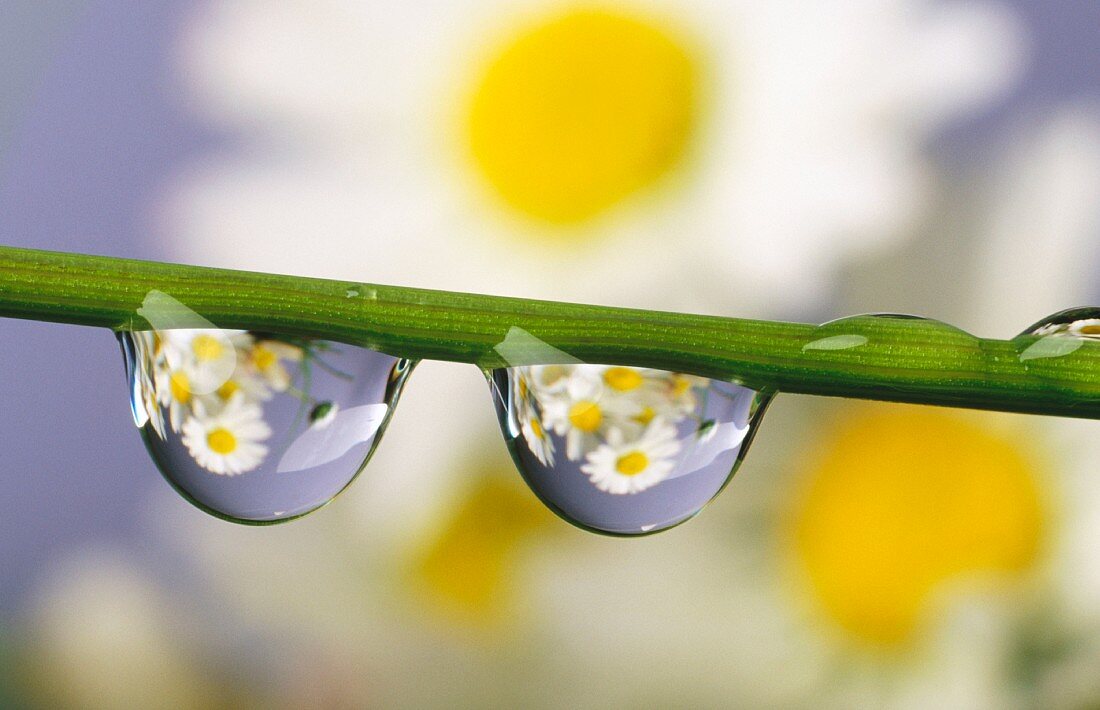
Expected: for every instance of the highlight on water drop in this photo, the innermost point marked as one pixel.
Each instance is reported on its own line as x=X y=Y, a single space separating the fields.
x=624 y=450
x=257 y=427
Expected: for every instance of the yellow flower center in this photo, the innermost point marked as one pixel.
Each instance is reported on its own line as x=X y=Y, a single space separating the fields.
x=536 y=427
x=902 y=500
x=646 y=415
x=632 y=464
x=622 y=379
x=264 y=358
x=581 y=111
x=206 y=348
x=228 y=389
x=680 y=386
x=1089 y=329
x=470 y=566
x=586 y=416
x=221 y=441
x=179 y=384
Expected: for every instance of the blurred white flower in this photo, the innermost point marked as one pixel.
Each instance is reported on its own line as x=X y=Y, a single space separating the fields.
x=714 y=155
x=102 y=634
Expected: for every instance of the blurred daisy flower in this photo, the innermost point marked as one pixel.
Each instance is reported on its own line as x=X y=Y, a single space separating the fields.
x=580 y=152
x=101 y=633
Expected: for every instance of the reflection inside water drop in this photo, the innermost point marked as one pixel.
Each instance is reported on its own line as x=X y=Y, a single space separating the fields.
x=1059 y=335
x=256 y=427
x=624 y=450
x=1080 y=323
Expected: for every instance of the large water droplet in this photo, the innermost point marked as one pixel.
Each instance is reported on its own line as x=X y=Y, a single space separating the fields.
x=624 y=450
x=258 y=428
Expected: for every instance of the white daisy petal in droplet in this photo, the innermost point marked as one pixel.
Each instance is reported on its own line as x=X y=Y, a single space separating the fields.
x=623 y=466
x=147 y=366
x=227 y=443
x=537 y=438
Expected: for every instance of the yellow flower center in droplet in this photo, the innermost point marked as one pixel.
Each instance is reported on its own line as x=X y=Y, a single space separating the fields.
x=536 y=427
x=680 y=386
x=581 y=111
x=1089 y=329
x=179 y=384
x=221 y=441
x=632 y=464
x=206 y=348
x=646 y=415
x=623 y=379
x=586 y=416
x=903 y=499
x=264 y=358
x=228 y=389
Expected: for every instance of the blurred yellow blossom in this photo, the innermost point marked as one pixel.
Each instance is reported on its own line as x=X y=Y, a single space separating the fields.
x=898 y=502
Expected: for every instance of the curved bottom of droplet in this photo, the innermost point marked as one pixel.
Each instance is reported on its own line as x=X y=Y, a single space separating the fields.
x=652 y=460
x=277 y=432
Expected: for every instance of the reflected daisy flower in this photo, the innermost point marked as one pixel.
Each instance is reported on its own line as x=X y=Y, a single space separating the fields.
x=207 y=356
x=173 y=391
x=583 y=414
x=227 y=443
x=266 y=358
x=146 y=347
x=537 y=439
x=243 y=382
x=632 y=465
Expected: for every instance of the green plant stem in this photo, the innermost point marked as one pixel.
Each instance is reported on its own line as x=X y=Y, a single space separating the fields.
x=900 y=360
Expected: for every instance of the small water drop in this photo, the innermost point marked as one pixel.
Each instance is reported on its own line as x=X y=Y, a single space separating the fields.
x=1063 y=347
x=277 y=433
x=624 y=450
x=871 y=338
x=1082 y=323
x=352 y=292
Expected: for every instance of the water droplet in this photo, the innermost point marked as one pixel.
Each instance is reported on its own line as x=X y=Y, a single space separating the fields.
x=1082 y=323
x=624 y=450
x=1058 y=336
x=867 y=337
x=1063 y=348
x=254 y=427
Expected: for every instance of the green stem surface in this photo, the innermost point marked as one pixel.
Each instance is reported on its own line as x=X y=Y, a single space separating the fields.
x=902 y=360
